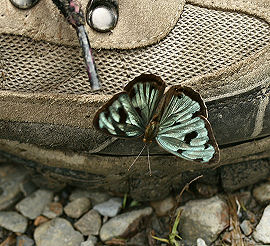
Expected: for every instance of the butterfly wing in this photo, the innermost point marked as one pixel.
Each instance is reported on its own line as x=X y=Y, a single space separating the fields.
x=145 y=93
x=184 y=129
x=119 y=118
x=127 y=113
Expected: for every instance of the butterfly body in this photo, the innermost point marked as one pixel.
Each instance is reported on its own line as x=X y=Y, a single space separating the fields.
x=176 y=120
x=151 y=130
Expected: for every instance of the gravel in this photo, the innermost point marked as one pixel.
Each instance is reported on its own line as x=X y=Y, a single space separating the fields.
x=78 y=217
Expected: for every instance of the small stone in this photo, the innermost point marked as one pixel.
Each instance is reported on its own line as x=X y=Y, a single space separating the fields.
x=11 y=176
x=77 y=207
x=201 y=242
x=109 y=208
x=63 y=196
x=262 y=193
x=13 y=221
x=79 y=193
x=246 y=227
x=244 y=197
x=24 y=241
x=57 y=232
x=9 y=240
x=248 y=241
x=2 y=160
x=2 y=234
x=157 y=224
x=56 y=198
x=262 y=232
x=124 y=224
x=105 y=219
x=205 y=219
x=27 y=187
x=89 y=224
x=206 y=190
x=52 y=210
x=91 y=241
x=227 y=237
x=33 y=205
x=116 y=241
x=251 y=217
x=164 y=206
x=140 y=239
x=95 y=197
x=40 y=220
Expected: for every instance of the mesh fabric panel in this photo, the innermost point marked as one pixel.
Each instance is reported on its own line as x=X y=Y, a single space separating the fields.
x=203 y=41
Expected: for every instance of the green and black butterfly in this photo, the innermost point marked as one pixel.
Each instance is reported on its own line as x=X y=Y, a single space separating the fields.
x=177 y=120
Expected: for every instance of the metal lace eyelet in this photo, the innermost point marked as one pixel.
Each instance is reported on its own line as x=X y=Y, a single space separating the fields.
x=24 y=4
x=102 y=15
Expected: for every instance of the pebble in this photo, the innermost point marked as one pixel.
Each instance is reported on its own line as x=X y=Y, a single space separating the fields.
x=163 y=207
x=77 y=207
x=57 y=232
x=40 y=220
x=23 y=240
x=205 y=219
x=27 y=187
x=56 y=198
x=262 y=193
x=105 y=219
x=203 y=216
x=262 y=232
x=89 y=224
x=244 y=198
x=157 y=224
x=248 y=241
x=95 y=197
x=91 y=241
x=140 y=239
x=123 y=224
x=79 y=193
x=201 y=242
x=52 y=210
x=33 y=205
x=11 y=176
x=251 y=217
x=109 y=208
x=13 y=221
x=206 y=190
x=227 y=237
x=246 y=227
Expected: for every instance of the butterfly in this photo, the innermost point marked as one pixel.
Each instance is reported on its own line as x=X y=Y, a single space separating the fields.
x=176 y=120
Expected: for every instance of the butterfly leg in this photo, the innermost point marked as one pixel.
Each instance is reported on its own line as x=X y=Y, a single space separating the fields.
x=148 y=158
x=137 y=157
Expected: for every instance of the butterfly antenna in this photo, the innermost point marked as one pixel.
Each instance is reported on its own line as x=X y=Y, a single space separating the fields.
x=137 y=157
x=148 y=157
